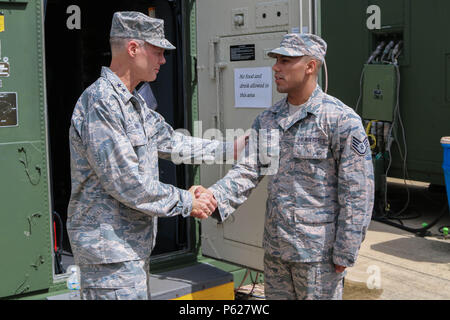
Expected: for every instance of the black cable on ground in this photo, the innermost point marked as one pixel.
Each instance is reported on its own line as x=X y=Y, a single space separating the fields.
x=441 y=229
x=422 y=232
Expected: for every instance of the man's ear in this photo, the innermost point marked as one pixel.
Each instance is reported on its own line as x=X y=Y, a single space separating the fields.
x=311 y=67
x=132 y=47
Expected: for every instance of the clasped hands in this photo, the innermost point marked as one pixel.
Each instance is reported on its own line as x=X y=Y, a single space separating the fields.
x=203 y=202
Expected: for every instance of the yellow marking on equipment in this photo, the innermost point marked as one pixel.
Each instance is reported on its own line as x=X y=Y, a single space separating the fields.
x=222 y=292
x=2 y=23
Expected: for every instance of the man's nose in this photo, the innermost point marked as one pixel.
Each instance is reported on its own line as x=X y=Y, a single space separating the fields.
x=276 y=67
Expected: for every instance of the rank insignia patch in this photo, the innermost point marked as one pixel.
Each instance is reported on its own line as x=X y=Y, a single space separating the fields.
x=360 y=147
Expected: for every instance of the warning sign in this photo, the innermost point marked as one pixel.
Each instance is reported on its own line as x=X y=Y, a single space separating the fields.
x=253 y=87
x=242 y=52
x=4 y=69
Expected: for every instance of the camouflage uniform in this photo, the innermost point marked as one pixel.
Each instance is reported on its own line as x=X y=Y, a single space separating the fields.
x=136 y=25
x=115 y=142
x=319 y=201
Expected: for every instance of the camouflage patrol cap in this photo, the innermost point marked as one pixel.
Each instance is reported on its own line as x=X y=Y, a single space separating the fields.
x=136 y=25
x=301 y=44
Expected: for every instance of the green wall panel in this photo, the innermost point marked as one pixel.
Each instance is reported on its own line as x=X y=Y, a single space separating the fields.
x=25 y=246
x=424 y=71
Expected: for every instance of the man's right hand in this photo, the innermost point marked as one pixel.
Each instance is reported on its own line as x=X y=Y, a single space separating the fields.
x=203 y=205
x=200 y=191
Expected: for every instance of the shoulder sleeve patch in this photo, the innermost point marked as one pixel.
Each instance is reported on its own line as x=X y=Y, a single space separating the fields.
x=360 y=147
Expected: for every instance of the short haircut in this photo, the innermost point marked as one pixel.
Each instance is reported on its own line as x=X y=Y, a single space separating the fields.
x=118 y=44
x=319 y=63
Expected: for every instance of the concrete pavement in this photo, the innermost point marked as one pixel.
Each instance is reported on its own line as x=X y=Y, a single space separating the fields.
x=394 y=264
x=397 y=265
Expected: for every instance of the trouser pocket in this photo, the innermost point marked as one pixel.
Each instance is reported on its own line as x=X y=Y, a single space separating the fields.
x=126 y=280
x=128 y=293
x=328 y=283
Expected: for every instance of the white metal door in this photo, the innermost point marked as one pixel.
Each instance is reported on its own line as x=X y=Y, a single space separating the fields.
x=233 y=38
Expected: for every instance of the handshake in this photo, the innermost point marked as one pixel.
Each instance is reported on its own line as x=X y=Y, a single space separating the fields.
x=203 y=204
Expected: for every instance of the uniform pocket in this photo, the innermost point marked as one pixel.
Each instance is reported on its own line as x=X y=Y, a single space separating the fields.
x=108 y=276
x=139 y=142
x=314 y=171
x=315 y=233
x=311 y=143
x=358 y=217
x=133 y=216
x=314 y=216
x=114 y=240
x=311 y=150
x=130 y=293
x=328 y=283
x=137 y=138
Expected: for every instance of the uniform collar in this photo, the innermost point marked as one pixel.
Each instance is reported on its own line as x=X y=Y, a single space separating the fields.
x=281 y=109
x=117 y=84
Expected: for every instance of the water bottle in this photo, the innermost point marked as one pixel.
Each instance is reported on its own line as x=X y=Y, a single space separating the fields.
x=73 y=282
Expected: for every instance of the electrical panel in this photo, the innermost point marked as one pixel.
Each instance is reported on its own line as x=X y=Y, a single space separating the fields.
x=379 y=92
x=424 y=83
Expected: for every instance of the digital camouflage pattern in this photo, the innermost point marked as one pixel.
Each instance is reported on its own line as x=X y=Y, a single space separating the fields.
x=301 y=44
x=128 y=280
x=284 y=280
x=136 y=25
x=115 y=142
x=320 y=199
